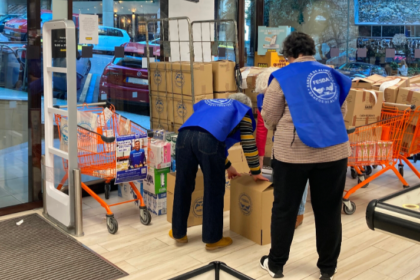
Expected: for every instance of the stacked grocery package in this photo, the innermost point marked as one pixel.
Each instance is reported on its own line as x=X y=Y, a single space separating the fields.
x=160 y=161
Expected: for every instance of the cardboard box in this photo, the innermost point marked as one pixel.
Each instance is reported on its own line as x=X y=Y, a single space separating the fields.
x=181 y=78
x=160 y=124
x=414 y=79
x=224 y=95
x=366 y=83
x=250 y=212
x=156 y=203
x=270 y=59
x=361 y=108
x=251 y=80
x=269 y=144
x=391 y=93
x=181 y=107
x=410 y=96
x=159 y=76
x=196 y=210
x=224 y=76
x=160 y=105
x=237 y=158
x=157 y=180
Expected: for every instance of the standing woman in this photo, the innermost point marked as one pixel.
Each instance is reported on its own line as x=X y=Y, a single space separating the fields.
x=305 y=104
x=261 y=86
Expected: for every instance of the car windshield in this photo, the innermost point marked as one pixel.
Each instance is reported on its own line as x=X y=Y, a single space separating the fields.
x=355 y=67
x=128 y=61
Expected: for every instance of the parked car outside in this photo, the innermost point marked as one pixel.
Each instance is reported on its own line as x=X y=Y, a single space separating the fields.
x=139 y=48
x=361 y=70
x=83 y=66
x=4 y=19
x=17 y=28
x=125 y=81
x=109 y=38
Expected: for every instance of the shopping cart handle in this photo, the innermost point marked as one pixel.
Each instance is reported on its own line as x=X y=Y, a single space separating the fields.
x=351 y=130
x=108 y=139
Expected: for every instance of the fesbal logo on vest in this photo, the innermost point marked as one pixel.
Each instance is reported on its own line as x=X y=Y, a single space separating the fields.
x=321 y=86
x=219 y=102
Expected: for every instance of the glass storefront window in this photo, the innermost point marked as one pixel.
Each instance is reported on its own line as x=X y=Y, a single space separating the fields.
x=353 y=24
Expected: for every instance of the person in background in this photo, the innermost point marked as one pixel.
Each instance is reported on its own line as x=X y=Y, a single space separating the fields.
x=137 y=156
x=204 y=139
x=403 y=69
x=261 y=85
x=305 y=105
x=388 y=69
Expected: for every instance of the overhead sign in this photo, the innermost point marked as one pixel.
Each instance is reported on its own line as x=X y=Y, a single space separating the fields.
x=271 y=38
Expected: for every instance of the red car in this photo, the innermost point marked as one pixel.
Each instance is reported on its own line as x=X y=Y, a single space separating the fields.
x=124 y=81
x=17 y=28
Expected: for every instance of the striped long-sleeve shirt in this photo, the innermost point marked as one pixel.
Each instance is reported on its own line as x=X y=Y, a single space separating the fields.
x=249 y=146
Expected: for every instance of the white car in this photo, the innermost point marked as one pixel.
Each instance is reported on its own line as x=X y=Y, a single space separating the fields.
x=110 y=37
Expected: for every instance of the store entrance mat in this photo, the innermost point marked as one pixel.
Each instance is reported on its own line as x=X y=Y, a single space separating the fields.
x=32 y=248
x=214 y=270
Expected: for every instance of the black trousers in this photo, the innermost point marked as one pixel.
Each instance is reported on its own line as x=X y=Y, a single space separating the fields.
x=327 y=181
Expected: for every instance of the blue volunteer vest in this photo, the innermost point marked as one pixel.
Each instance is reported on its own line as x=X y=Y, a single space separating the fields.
x=260 y=101
x=314 y=94
x=220 y=117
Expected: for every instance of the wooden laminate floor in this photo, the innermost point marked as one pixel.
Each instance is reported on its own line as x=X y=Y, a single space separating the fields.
x=146 y=252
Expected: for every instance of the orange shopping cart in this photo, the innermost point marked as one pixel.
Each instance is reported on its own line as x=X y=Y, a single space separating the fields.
x=97 y=153
x=376 y=144
x=411 y=142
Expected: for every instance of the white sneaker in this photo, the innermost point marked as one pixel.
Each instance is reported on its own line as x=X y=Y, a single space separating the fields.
x=264 y=265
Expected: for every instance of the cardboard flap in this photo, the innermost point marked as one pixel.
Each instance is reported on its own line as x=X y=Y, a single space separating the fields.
x=248 y=181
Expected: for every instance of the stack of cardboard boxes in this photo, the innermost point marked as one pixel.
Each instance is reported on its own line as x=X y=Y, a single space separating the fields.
x=363 y=107
x=224 y=80
x=171 y=91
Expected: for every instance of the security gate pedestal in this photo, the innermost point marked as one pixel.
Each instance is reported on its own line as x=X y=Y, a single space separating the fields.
x=59 y=207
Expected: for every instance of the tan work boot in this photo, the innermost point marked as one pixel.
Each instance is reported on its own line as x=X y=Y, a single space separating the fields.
x=181 y=240
x=224 y=242
x=299 y=221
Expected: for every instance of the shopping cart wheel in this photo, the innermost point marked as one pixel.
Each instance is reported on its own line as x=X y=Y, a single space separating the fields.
x=145 y=217
x=361 y=179
x=374 y=166
x=111 y=224
x=349 y=207
x=401 y=169
x=368 y=170
x=107 y=190
x=353 y=173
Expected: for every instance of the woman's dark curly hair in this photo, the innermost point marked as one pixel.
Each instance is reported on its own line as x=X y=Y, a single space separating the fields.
x=298 y=43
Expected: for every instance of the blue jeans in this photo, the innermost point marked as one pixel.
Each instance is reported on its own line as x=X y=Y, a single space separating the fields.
x=195 y=147
x=303 y=202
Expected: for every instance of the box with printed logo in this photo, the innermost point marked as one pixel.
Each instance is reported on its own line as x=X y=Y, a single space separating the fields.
x=196 y=210
x=180 y=78
x=363 y=107
x=160 y=106
x=156 y=203
x=156 y=181
x=159 y=76
x=181 y=107
x=250 y=209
